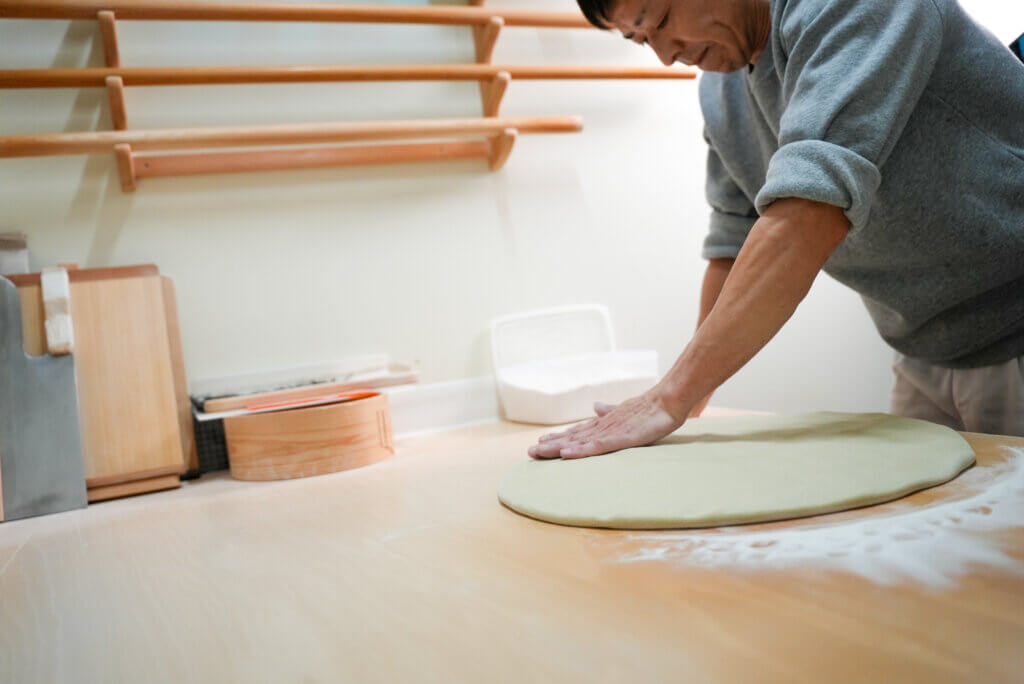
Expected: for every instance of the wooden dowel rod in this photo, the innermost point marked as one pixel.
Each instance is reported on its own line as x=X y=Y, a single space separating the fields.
x=173 y=76
x=279 y=134
x=151 y=165
x=183 y=10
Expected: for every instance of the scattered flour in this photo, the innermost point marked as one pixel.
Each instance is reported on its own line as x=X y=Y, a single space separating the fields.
x=933 y=545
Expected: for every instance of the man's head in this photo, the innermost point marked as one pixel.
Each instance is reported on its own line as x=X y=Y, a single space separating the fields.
x=715 y=35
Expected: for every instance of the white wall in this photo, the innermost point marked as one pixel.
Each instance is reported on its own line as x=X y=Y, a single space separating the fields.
x=292 y=268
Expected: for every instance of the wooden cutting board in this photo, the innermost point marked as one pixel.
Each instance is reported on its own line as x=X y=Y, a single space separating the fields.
x=184 y=404
x=128 y=397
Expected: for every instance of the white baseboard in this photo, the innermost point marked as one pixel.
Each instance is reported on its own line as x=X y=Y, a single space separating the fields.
x=421 y=409
x=436 y=407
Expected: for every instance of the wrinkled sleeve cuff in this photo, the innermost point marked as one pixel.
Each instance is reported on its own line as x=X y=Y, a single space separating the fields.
x=726 y=235
x=822 y=172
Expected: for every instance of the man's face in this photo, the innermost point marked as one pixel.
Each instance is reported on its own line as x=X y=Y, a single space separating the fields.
x=715 y=35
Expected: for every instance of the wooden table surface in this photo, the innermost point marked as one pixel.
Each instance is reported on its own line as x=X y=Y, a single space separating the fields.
x=410 y=570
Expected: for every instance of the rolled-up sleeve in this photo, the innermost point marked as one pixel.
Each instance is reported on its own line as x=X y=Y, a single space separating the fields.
x=854 y=74
x=732 y=212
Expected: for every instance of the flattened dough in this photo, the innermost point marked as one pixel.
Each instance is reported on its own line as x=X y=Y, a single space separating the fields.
x=743 y=469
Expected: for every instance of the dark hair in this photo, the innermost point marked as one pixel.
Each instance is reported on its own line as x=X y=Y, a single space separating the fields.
x=596 y=12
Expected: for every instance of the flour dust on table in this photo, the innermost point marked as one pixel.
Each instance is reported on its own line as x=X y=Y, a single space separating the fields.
x=934 y=545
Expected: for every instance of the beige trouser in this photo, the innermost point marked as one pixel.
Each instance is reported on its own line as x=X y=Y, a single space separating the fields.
x=988 y=399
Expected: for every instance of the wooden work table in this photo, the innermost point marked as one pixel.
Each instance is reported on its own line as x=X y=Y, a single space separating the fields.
x=410 y=570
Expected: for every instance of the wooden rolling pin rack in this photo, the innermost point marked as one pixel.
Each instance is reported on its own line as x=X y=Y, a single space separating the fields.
x=489 y=137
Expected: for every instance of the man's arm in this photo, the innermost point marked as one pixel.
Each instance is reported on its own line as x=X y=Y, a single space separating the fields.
x=714 y=279
x=783 y=254
x=780 y=259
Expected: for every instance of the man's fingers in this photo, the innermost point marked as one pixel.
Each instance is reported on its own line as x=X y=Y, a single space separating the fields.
x=545 y=450
x=570 y=431
x=558 y=435
x=555 y=435
x=591 y=447
x=553 y=448
x=583 y=439
x=635 y=422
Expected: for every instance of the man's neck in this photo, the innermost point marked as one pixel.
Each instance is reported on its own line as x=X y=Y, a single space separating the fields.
x=760 y=27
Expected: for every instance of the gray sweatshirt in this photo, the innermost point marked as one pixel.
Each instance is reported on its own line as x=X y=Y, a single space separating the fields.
x=910 y=117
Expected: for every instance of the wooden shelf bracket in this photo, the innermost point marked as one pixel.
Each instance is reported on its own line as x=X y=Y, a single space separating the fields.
x=493 y=89
x=484 y=38
x=115 y=96
x=501 y=147
x=108 y=31
x=125 y=166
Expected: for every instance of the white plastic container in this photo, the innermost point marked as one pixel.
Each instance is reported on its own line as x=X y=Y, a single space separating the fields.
x=551 y=365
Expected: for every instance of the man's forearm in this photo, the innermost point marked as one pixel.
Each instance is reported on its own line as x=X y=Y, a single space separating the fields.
x=714 y=279
x=781 y=257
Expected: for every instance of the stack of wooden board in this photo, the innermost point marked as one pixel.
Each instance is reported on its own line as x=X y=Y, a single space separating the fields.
x=135 y=414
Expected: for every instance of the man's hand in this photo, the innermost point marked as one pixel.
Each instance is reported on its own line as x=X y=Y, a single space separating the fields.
x=636 y=422
x=781 y=256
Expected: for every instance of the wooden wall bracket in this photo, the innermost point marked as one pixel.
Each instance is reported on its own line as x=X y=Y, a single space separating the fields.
x=125 y=166
x=493 y=89
x=108 y=31
x=484 y=38
x=501 y=147
x=492 y=92
x=115 y=96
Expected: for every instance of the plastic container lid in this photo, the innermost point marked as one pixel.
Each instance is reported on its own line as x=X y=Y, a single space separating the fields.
x=547 y=334
x=551 y=365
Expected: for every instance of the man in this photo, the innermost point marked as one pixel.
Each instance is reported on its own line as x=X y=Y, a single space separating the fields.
x=879 y=141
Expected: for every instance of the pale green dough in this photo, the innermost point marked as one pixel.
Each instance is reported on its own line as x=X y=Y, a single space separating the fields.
x=744 y=469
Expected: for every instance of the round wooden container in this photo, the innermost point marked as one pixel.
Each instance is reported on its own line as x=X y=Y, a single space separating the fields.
x=309 y=441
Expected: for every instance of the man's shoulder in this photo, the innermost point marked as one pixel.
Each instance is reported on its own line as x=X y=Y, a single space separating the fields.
x=791 y=18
